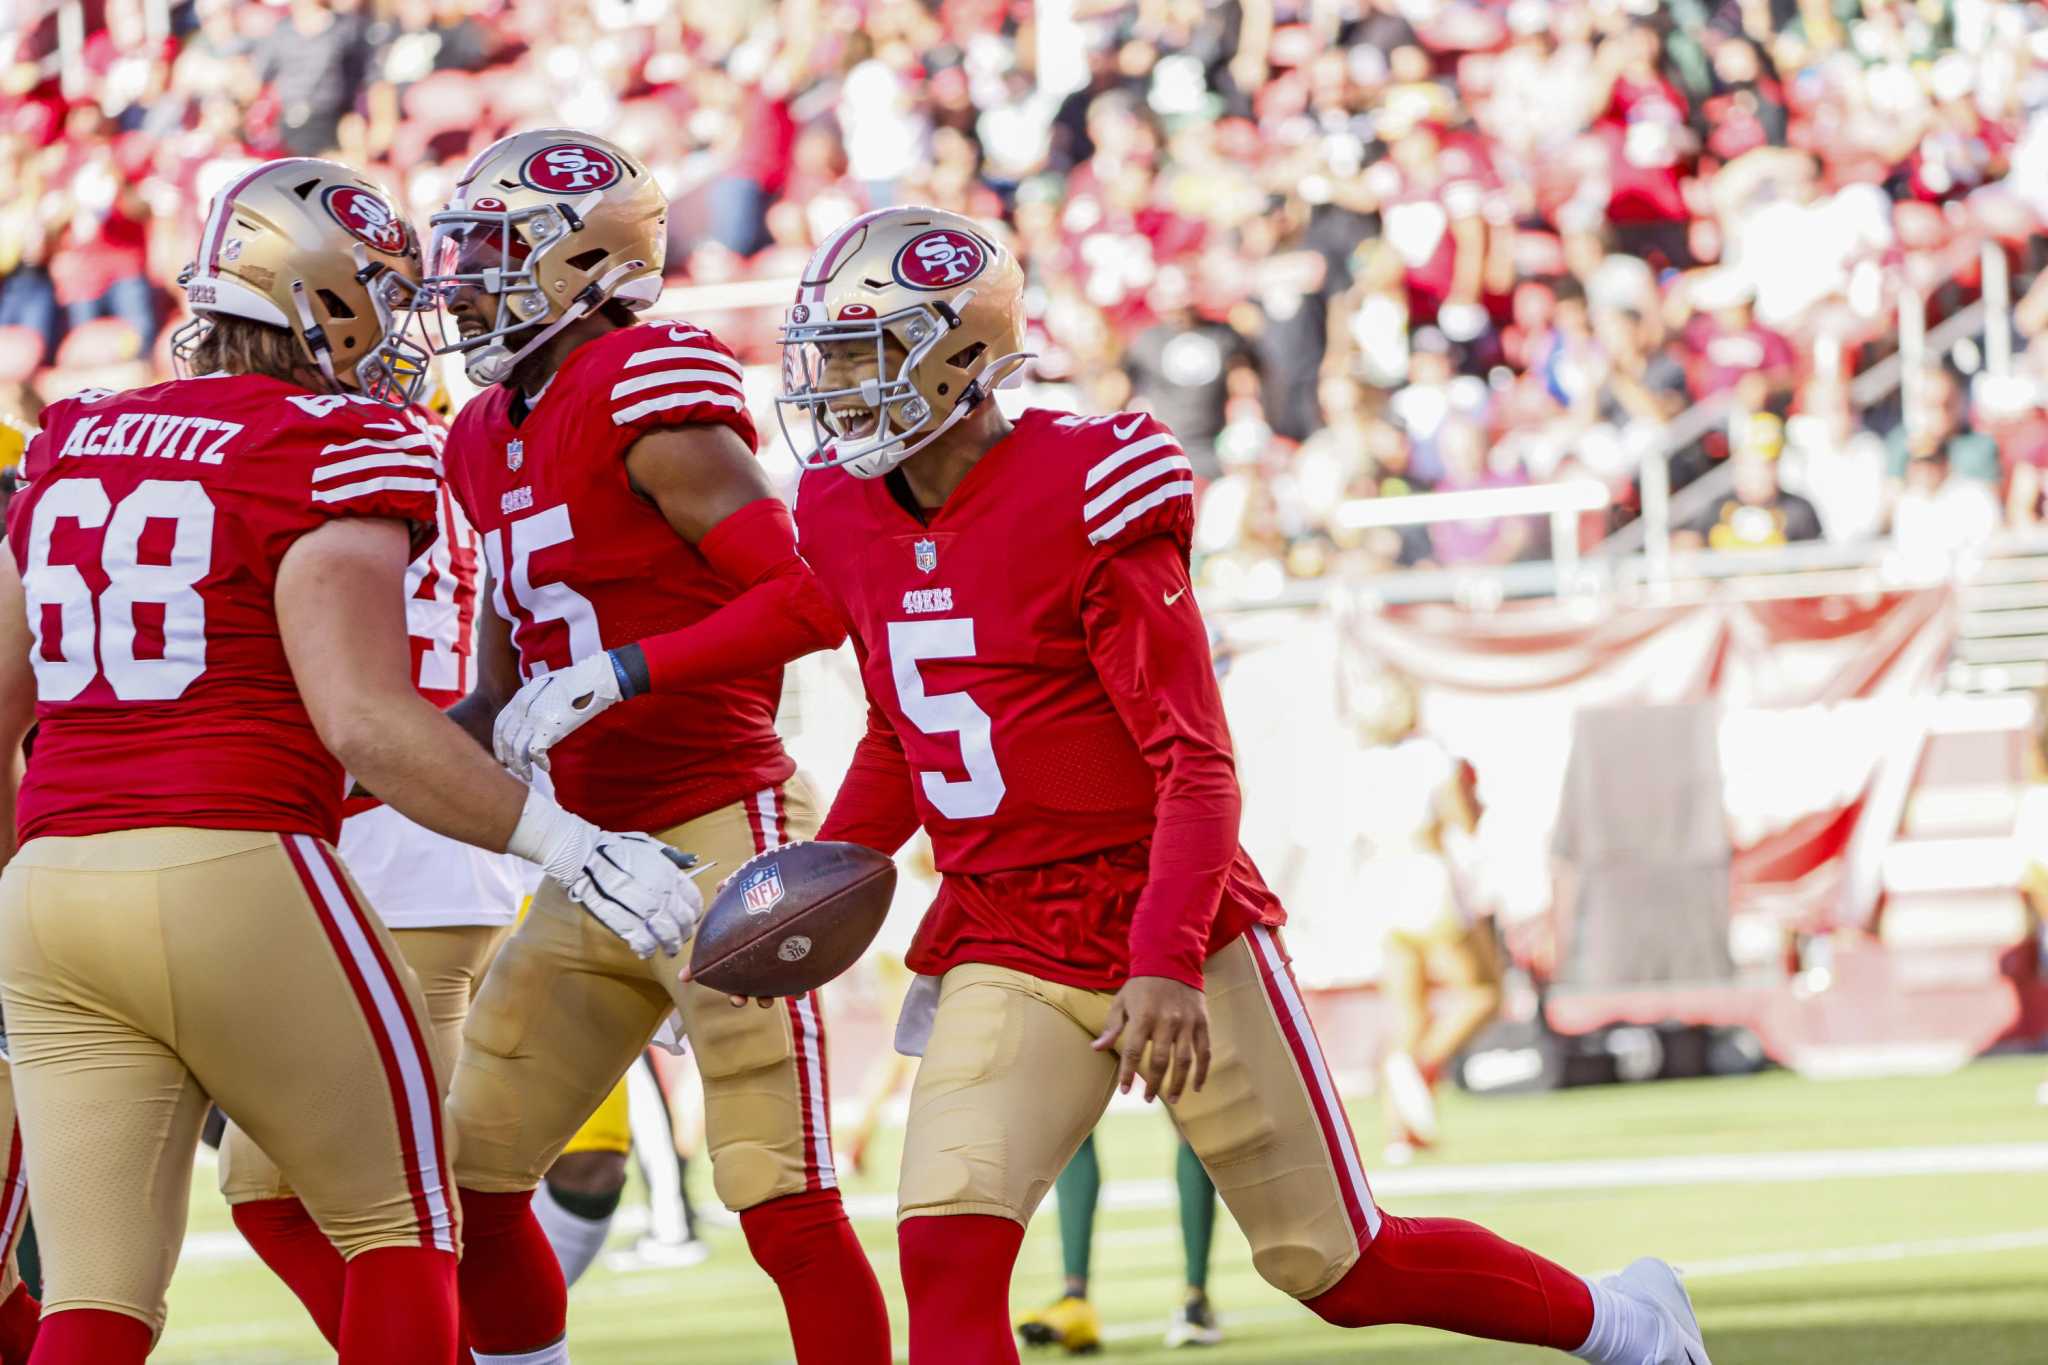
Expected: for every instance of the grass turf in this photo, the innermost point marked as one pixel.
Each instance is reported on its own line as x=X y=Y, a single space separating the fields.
x=1861 y=1270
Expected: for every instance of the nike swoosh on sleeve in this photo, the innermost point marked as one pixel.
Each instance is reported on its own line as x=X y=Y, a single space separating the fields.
x=1123 y=433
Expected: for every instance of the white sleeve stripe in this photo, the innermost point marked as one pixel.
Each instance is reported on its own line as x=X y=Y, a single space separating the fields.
x=664 y=377
x=1184 y=489
x=1135 y=451
x=413 y=442
x=676 y=400
x=658 y=353
x=357 y=489
x=1107 y=498
x=389 y=460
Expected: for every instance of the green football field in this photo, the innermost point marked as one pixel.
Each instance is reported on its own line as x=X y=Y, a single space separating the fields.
x=1880 y=1222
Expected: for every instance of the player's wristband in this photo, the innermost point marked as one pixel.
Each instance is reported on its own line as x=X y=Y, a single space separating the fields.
x=629 y=666
x=546 y=834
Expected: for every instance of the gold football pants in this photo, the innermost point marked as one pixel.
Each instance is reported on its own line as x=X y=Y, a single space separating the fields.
x=1010 y=1085
x=448 y=962
x=146 y=971
x=567 y=1007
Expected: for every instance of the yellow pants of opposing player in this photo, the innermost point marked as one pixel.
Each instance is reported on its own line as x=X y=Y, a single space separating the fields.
x=566 y=1008
x=146 y=971
x=1010 y=1085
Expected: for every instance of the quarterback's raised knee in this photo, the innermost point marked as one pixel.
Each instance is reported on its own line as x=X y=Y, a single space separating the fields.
x=1298 y=1270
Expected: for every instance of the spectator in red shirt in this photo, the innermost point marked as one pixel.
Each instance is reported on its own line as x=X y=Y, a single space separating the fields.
x=1730 y=349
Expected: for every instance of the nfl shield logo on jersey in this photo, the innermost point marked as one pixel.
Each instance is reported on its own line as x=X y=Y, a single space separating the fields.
x=927 y=555
x=515 y=454
x=762 y=890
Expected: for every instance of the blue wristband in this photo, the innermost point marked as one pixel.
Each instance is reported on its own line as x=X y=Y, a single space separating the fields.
x=627 y=691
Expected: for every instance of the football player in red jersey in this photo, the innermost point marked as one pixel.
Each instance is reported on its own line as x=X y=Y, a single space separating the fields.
x=202 y=614
x=648 y=591
x=447 y=904
x=1041 y=701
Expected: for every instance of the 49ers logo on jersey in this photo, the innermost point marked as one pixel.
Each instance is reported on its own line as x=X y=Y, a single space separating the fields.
x=941 y=259
x=366 y=217
x=570 y=168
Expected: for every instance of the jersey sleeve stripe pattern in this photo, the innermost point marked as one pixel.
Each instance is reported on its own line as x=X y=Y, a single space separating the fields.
x=663 y=378
x=392 y=460
x=419 y=440
x=1139 y=508
x=359 y=488
x=1109 y=496
x=661 y=353
x=676 y=400
x=1115 y=507
x=1137 y=450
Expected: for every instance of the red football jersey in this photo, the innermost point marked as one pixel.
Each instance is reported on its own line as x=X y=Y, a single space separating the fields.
x=975 y=651
x=581 y=563
x=148 y=541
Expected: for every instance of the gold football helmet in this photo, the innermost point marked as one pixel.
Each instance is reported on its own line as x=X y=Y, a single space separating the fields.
x=950 y=298
x=313 y=247
x=551 y=224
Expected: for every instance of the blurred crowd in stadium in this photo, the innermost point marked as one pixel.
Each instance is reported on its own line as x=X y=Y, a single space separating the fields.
x=1344 y=247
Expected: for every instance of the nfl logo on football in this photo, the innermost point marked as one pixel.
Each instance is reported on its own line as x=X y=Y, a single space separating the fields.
x=515 y=454
x=927 y=555
x=761 y=892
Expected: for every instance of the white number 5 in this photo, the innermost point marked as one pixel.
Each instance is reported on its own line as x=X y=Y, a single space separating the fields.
x=947 y=713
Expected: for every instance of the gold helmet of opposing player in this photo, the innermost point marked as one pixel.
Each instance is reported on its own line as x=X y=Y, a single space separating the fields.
x=312 y=247
x=551 y=224
x=938 y=286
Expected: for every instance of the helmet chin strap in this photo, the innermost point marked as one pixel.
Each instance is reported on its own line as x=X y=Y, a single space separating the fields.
x=315 y=339
x=986 y=383
x=494 y=364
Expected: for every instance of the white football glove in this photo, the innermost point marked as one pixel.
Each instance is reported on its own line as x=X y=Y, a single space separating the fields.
x=634 y=884
x=550 y=708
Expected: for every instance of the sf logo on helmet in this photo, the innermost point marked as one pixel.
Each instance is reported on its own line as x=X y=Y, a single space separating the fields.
x=570 y=168
x=367 y=217
x=941 y=259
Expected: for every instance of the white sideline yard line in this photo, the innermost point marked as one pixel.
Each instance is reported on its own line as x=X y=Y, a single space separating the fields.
x=1659 y=1172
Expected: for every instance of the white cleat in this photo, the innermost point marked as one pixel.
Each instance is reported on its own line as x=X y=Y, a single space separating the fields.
x=1409 y=1093
x=1651 y=1281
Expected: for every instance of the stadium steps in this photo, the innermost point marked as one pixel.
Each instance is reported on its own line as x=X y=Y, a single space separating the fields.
x=1950 y=873
x=2004 y=637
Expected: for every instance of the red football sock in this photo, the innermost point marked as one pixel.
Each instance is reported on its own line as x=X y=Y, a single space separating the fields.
x=91 y=1336
x=19 y=1317
x=829 y=1291
x=513 y=1298
x=285 y=1236
x=956 y=1274
x=398 y=1308
x=1445 y=1272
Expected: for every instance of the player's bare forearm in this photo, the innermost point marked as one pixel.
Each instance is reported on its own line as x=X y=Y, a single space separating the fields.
x=497 y=673
x=341 y=614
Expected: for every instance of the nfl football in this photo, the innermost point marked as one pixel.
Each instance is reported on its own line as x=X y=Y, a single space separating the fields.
x=791 y=919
